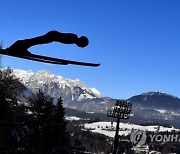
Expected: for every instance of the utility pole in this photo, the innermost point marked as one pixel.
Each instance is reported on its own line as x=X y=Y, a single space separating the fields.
x=121 y=110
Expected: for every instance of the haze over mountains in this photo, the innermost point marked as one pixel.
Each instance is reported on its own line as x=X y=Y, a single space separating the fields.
x=150 y=107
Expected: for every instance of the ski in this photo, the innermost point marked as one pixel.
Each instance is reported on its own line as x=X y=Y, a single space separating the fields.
x=47 y=59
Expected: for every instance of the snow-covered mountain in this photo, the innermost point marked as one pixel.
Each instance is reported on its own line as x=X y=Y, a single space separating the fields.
x=157 y=93
x=56 y=86
x=156 y=100
x=156 y=107
x=150 y=107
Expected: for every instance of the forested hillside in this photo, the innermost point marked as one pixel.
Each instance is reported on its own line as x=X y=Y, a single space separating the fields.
x=37 y=125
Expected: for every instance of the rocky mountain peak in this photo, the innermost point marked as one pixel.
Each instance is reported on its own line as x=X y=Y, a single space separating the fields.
x=154 y=106
x=56 y=86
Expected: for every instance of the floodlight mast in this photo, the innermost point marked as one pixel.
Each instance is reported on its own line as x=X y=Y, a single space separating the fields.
x=121 y=110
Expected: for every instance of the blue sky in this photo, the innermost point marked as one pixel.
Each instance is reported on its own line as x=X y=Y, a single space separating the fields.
x=137 y=42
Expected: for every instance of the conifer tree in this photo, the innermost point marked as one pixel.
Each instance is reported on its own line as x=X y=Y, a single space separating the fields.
x=49 y=126
x=41 y=107
x=38 y=127
x=62 y=137
x=11 y=127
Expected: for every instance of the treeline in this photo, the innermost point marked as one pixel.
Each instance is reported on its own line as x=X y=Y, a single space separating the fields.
x=84 y=140
x=84 y=115
x=38 y=126
x=35 y=126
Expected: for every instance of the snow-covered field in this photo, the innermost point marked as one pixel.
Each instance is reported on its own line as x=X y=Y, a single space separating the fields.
x=109 y=130
x=71 y=118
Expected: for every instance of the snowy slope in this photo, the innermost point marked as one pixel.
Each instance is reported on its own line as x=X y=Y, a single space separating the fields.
x=109 y=130
x=56 y=86
x=157 y=93
x=151 y=107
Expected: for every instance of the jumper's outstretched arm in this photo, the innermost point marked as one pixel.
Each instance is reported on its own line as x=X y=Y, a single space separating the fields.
x=52 y=36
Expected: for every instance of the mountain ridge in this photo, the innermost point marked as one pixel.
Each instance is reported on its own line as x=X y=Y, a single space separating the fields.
x=56 y=85
x=156 y=99
x=152 y=107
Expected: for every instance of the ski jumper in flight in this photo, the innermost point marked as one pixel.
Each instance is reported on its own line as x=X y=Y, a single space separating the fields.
x=21 y=46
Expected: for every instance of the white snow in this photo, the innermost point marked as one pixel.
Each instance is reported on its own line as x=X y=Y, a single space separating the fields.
x=71 y=118
x=43 y=77
x=84 y=96
x=174 y=113
x=96 y=92
x=158 y=93
x=161 y=111
x=41 y=82
x=23 y=75
x=125 y=128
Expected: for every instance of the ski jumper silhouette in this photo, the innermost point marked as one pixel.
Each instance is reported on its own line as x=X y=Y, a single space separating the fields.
x=20 y=47
x=52 y=36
